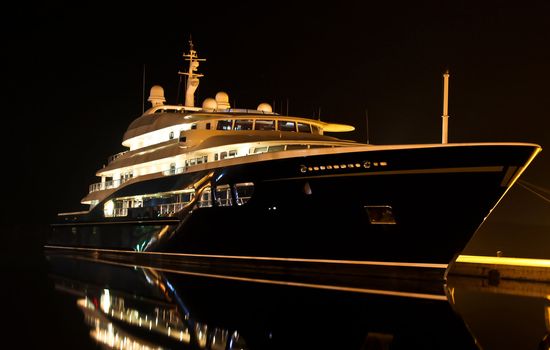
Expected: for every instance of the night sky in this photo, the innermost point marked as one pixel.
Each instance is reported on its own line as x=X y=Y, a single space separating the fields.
x=74 y=82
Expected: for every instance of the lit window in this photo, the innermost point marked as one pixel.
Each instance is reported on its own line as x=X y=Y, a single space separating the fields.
x=224 y=125
x=260 y=149
x=276 y=148
x=244 y=192
x=243 y=124
x=223 y=196
x=264 y=124
x=284 y=125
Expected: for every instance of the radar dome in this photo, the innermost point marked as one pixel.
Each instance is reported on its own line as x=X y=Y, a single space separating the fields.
x=222 y=99
x=209 y=104
x=265 y=107
x=156 y=96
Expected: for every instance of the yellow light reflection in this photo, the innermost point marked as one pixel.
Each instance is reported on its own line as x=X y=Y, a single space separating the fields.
x=474 y=259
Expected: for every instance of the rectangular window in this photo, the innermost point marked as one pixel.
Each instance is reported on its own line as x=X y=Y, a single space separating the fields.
x=264 y=124
x=244 y=192
x=380 y=214
x=223 y=155
x=223 y=195
x=260 y=149
x=291 y=147
x=243 y=124
x=207 y=126
x=232 y=153
x=276 y=148
x=194 y=126
x=303 y=127
x=284 y=125
x=224 y=125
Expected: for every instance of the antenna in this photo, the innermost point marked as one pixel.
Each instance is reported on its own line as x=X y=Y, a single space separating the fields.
x=445 y=129
x=143 y=104
x=287 y=106
x=178 y=93
x=367 y=118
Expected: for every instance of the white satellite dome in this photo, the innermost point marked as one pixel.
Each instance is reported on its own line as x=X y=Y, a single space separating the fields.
x=265 y=107
x=222 y=99
x=210 y=104
x=156 y=96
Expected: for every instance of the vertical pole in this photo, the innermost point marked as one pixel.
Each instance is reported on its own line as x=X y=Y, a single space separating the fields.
x=143 y=100
x=367 y=117
x=445 y=129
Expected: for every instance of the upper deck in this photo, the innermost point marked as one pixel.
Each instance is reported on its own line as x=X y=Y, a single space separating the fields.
x=163 y=123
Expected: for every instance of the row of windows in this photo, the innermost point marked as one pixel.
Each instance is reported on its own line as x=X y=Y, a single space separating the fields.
x=277 y=148
x=166 y=204
x=257 y=124
x=262 y=124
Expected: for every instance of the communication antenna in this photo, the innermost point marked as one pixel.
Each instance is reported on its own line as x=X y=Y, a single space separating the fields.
x=287 y=106
x=445 y=128
x=367 y=118
x=143 y=104
x=178 y=93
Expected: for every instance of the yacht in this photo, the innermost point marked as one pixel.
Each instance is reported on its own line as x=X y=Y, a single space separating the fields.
x=217 y=181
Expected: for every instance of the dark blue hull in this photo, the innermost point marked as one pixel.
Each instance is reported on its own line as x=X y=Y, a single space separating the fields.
x=306 y=207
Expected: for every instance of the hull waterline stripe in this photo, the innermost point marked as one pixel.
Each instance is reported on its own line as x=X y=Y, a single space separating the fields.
x=487 y=169
x=288 y=283
x=474 y=259
x=324 y=261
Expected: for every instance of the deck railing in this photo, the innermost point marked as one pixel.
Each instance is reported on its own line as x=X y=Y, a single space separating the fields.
x=115 y=156
x=106 y=185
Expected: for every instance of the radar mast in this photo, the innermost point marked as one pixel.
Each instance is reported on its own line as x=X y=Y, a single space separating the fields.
x=192 y=77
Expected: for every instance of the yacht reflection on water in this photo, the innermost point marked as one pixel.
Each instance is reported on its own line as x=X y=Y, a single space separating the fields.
x=141 y=307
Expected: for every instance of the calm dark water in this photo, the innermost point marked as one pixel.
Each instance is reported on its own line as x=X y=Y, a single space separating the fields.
x=75 y=302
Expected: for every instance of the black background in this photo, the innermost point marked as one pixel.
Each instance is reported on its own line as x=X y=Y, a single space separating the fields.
x=74 y=81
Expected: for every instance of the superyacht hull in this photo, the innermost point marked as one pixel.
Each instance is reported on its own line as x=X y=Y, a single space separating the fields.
x=401 y=204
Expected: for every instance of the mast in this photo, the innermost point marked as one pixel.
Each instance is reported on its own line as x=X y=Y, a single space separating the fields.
x=192 y=77
x=445 y=129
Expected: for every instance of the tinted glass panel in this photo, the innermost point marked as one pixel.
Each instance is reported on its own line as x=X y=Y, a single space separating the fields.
x=284 y=125
x=302 y=127
x=276 y=148
x=264 y=125
x=224 y=125
x=291 y=147
x=243 y=124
